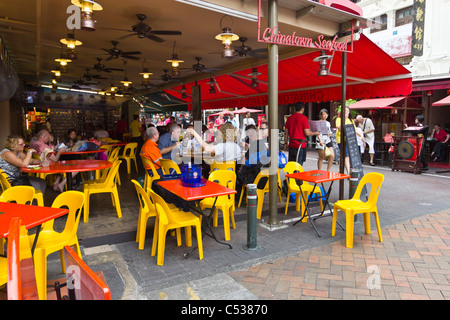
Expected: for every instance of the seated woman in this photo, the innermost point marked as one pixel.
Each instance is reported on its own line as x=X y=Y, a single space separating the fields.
x=71 y=138
x=226 y=149
x=12 y=158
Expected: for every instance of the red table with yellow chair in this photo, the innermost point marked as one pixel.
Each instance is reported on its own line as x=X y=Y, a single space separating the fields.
x=194 y=197
x=69 y=166
x=316 y=177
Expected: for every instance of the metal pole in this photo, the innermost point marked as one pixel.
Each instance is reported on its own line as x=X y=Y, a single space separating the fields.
x=252 y=203
x=343 y=105
x=273 y=116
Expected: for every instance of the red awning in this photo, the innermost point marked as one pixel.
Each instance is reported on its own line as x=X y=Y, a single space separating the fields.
x=371 y=73
x=443 y=102
x=381 y=103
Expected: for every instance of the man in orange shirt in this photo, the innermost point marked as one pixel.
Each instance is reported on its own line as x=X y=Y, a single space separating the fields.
x=150 y=149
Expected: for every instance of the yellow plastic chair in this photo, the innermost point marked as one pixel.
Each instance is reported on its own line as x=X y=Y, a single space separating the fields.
x=147 y=210
x=6 y=185
x=227 y=165
x=168 y=219
x=262 y=189
x=128 y=154
x=169 y=166
x=113 y=155
x=226 y=178
x=50 y=241
x=18 y=194
x=307 y=189
x=355 y=206
x=108 y=185
x=148 y=180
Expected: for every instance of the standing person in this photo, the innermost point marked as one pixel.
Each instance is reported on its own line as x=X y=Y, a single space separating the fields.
x=297 y=128
x=169 y=141
x=348 y=120
x=219 y=121
x=121 y=127
x=442 y=138
x=234 y=121
x=326 y=141
x=248 y=120
x=368 y=129
x=136 y=132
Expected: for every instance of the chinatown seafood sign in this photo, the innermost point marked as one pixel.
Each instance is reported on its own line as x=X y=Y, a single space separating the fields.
x=273 y=35
x=270 y=35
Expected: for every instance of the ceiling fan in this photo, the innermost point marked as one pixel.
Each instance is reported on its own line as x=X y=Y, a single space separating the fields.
x=143 y=30
x=115 y=53
x=101 y=67
x=80 y=84
x=243 y=51
x=89 y=76
x=198 y=67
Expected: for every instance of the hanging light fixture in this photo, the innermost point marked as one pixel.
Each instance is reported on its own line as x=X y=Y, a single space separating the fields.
x=254 y=75
x=212 y=85
x=145 y=73
x=227 y=37
x=125 y=80
x=183 y=92
x=322 y=59
x=87 y=11
x=175 y=62
x=63 y=61
x=70 y=41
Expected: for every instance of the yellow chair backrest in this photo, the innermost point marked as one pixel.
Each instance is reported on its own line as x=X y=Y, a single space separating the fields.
x=167 y=165
x=227 y=165
x=4 y=181
x=149 y=179
x=111 y=177
x=73 y=201
x=18 y=194
x=162 y=209
x=144 y=199
x=373 y=178
x=290 y=168
x=226 y=178
x=114 y=154
x=130 y=147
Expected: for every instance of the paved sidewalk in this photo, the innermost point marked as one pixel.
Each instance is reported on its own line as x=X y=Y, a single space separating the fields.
x=412 y=262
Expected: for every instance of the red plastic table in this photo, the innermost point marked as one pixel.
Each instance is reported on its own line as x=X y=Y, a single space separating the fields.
x=31 y=216
x=69 y=166
x=195 y=195
x=317 y=177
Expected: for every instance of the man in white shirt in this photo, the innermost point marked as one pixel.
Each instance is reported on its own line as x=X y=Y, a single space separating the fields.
x=248 y=120
x=368 y=129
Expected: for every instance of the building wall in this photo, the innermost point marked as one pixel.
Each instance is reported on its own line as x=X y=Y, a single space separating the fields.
x=5 y=128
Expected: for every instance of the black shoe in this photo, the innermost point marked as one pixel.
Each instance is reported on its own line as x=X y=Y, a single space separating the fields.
x=424 y=168
x=372 y=164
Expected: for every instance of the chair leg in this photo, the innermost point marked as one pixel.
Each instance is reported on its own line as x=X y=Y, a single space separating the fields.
x=333 y=225
x=128 y=165
x=142 y=224
x=135 y=164
x=377 y=221
x=178 y=234
x=188 y=236
x=40 y=269
x=240 y=197
x=155 y=237
x=366 y=222
x=161 y=246
x=349 y=221
x=287 y=204
x=226 y=222
x=233 y=224
x=116 y=200
x=86 y=207
x=198 y=231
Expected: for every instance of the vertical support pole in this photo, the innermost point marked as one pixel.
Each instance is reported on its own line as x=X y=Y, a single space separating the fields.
x=273 y=116
x=252 y=203
x=196 y=103
x=343 y=105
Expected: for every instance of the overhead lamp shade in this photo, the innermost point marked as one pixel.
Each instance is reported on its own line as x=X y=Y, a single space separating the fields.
x=62 y=60
x=70 y=41
x=125 y=82
x=227 y=37
x=145 y=73
x=175 y=61
x=87 y=5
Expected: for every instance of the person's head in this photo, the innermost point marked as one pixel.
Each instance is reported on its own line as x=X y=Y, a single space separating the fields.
x=72 y=134
x=247 y=115
x=437 y=127
x=14 y=143
x=264 y=129
x=135 y=116
x=152 y=134
x=227 y=132
x=251 y=132
x=323 y=114
x=359 y=118
x=175 y=131
x=300 y=107
x=419 y=119
x=43 y=136
x=231 y=116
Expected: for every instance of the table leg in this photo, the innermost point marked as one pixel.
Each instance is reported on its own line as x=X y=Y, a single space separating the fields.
x=69 y=181
x=39 y=228
x=207 y=218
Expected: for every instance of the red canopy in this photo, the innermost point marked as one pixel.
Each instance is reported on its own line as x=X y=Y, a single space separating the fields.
x=370 y=73
x=381 y=103
x=443 y=102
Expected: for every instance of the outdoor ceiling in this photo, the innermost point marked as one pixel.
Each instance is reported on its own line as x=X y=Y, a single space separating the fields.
x=31 y=31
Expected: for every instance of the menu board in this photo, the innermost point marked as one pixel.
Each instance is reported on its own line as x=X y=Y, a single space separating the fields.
x=337 y=151
x=354 y=153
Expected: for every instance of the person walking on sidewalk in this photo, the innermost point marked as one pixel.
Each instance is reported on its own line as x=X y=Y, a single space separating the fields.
x=368 y=130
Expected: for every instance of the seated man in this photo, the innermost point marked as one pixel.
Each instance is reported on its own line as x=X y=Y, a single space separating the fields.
x=442 y=139
x=169 y=141
x=151 y=151
x=41 y=143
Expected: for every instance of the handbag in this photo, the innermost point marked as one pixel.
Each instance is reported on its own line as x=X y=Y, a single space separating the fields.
x=327 y=152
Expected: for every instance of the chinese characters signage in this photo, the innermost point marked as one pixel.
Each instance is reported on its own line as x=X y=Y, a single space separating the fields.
x=418 y=28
